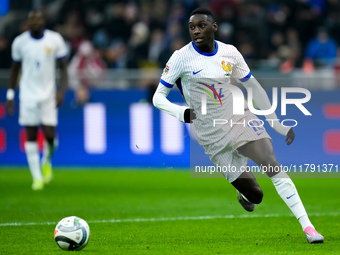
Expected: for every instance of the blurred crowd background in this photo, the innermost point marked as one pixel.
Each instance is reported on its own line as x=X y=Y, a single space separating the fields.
x=117 y=52
x=279 y=36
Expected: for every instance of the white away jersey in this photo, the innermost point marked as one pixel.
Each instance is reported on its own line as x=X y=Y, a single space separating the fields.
x=190 y=63
x=38 y=59
x=198 y=75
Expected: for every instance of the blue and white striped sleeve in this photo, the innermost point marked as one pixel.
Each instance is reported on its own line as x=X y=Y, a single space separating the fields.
x=61 y=51
x=16 y=53
x=172 y=70
x=241 y=70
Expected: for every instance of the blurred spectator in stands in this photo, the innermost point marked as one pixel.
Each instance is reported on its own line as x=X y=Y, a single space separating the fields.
x=247 y=51
x=122 y=17
x=320 y=51
x=293 y=39
x=225 y=33
x=156 y=46
x=73 y=29
x=173 y=30
x=176 y=14
x=138 y=45
x=332 y=20
x=94 y=20
x=307 y=17
x=137 y=34
x=86 y=70
x=116 y=54
x=225 y=10
x=5 y=53
x=101 y=38
x=176 y=44
x=293 y=56
x=279 y=15
x=252 y=27
x=337 y=69
x=158 y=10
x=277 y=40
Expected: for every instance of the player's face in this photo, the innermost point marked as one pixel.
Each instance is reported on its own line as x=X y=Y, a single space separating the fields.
x=201 y=30
x=36 y=22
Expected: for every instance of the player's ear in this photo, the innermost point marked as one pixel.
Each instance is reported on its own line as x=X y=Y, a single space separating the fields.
x=215 y=27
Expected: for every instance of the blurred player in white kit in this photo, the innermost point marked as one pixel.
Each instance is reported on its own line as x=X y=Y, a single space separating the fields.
x=35 y=52
x=199 y=68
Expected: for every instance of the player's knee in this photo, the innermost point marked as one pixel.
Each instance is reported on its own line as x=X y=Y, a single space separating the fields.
x=31 y=134
x=49 y=135
x=269 y=159
x=31 y=138
x=49 y=139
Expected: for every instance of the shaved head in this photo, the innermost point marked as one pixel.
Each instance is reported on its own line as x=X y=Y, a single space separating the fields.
x=36 y=22
x=35 y=13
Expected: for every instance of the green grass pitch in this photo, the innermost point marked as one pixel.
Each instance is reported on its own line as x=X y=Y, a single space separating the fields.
x=162 y=212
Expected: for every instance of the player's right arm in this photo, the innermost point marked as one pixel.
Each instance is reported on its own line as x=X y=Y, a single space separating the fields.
x=171 y=73
x=182 y=113
x=13 y=78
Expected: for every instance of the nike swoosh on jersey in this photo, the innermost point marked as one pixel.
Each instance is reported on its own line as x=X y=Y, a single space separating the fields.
x=196 y=72
x=290 y=196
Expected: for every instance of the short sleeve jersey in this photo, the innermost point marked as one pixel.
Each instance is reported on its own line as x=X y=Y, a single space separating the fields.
x=198 y=73
x=190 y=63
x=38 y=59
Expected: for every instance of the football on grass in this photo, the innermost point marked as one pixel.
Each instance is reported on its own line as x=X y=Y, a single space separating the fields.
x=72 y=233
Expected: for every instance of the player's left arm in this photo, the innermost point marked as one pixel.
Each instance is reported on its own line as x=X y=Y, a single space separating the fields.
x=242 y=73
x=61 y=56
x=63 y=81
x=261 y=99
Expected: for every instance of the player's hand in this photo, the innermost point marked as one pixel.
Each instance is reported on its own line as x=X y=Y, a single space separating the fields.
x=290 y=137
x=10 y=107
x=189 y=115
x=59 y=99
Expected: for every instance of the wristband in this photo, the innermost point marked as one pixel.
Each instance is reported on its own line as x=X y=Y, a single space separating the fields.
x=10 y=94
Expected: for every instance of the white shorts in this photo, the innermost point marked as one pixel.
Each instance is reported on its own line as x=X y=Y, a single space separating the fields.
x=38 y=113
x=224 y=152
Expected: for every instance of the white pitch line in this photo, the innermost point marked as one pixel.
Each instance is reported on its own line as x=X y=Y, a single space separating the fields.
x=207 y=217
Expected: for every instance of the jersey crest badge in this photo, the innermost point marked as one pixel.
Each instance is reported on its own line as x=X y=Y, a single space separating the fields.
x=166 y=69
x=47 y=49
x=227 y=68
